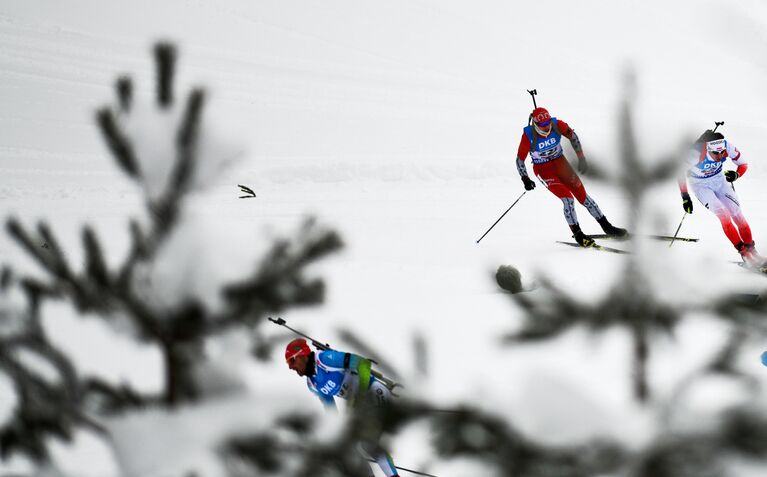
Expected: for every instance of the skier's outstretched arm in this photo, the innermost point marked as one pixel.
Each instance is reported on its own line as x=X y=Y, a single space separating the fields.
x=328 y=401
x=569 y=133
x=737 y=159
x=686 y=201
x=522 y=151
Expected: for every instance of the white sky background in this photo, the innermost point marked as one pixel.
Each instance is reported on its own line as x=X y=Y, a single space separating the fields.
x=397 y=122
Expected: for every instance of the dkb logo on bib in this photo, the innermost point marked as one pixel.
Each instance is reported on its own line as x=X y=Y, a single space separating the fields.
x=547 y=143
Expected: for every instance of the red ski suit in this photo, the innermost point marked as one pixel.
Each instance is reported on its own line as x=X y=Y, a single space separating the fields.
x=557 y=174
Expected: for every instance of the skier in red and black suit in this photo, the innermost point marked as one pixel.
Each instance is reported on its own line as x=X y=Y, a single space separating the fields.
x=542 y=140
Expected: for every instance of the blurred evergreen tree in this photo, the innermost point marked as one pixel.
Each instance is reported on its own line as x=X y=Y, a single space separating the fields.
x=275 y=284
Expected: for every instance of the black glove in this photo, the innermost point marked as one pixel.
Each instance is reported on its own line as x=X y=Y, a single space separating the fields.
x=731 y=176
x=529 y=184
x=583 y=166
x=686 y=202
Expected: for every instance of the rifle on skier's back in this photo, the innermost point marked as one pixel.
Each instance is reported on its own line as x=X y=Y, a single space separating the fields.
x=324 y=346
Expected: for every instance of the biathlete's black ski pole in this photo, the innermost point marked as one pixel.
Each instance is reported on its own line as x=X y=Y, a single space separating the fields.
x=499 y=218
x=717 y=124
x=677 y=230
x=409 y=470
x=532 y=92
x=324 y=346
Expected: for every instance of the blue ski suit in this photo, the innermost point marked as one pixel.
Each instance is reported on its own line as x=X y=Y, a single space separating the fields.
x=347 y=376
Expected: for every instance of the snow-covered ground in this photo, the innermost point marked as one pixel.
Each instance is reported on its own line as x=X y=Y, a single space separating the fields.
x=397 y=123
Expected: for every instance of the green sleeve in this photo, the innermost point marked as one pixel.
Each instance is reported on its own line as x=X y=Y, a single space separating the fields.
x=363 y=369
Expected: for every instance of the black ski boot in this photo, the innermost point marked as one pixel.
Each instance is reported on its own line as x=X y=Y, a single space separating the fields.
x=580 y=238
x=610 y=229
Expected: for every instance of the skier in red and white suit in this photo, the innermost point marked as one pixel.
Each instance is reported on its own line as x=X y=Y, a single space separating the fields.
x=542 y=140
x=714 y=189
